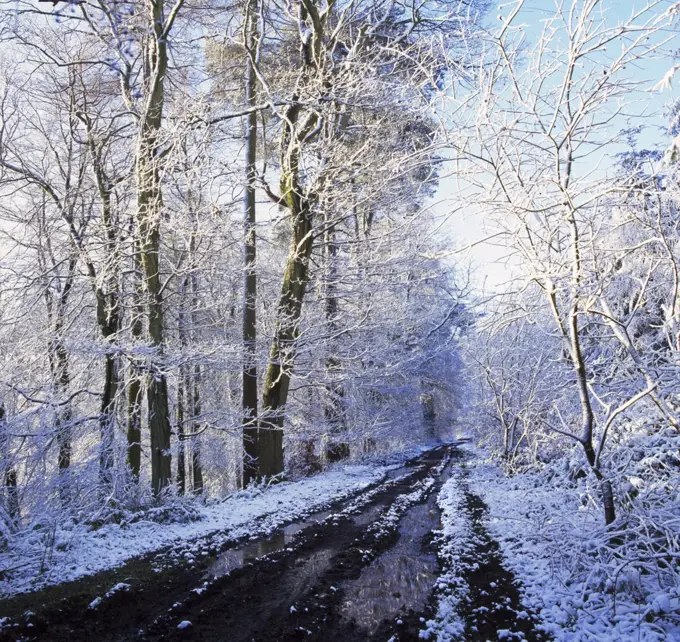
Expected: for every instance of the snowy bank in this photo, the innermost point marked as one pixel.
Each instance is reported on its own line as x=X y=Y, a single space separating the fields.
x=569 y=571
x=452 y=541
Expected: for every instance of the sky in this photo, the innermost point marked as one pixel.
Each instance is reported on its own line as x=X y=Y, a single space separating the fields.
x=467 y=226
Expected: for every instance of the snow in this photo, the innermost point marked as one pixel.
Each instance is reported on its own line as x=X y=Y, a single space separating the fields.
x=252 y=512
x=121 y=586
x=552 y=543
x=454 y=536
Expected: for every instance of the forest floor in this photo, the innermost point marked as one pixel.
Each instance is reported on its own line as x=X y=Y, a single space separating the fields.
x=375 y=565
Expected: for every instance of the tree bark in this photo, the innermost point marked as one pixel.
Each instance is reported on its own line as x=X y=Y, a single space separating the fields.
x=181 y=455
x=61 y=379
x=149 y=206
x=196 y=469
x=299 y=127
x=182 y=388
x=334 y=411
x=9 y=474
x=249 y=378
x=282 y=353
x=134 y=388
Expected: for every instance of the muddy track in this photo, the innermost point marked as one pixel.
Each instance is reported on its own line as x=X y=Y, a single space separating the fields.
x=364 y=570
x=252 y=601
x=306 y=593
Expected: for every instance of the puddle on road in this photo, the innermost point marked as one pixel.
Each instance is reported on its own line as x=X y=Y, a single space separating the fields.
x=401 y=578
x=238 y=557
x=369 y=515
x=403 y=470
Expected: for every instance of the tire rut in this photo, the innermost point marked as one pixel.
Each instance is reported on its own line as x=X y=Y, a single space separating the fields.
x=299 y=594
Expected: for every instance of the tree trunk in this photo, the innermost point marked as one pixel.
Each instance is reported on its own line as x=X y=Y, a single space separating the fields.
x=249 y=397
x=9 y=473
x=196 y=470
x=299 y=127
x=59 y=366
x=334 y=410
x=181 y=455
x=429 y=413
x=182 y=387
x=63 y=421
x=107 y=421
x=107 y=297
x=134 y=389
x=134 y=423
x=108 y=319
x=149 y=207
x=608 y=502
x=282 y=353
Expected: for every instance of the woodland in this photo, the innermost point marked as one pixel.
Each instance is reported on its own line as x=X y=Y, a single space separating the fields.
x=229 y=258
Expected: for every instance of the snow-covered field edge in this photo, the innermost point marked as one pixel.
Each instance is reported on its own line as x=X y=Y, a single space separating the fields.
x=72 y=551
x=558 y=550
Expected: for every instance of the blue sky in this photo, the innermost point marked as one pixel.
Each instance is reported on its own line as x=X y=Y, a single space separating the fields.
x=492 y=269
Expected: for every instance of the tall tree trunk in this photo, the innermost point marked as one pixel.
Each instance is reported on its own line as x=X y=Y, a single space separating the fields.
x=334 y=412
x=196 y=469
x=134 y=388
x=107 y=420
x=62 y=379
x=149 y=206
x=299 y=127
x=182 y=388
x=181 y=454
x=108 y=313
x=428 y=410
x=249 y=397
x=195 y=392
x=282 y=352
x=108 y=321
x=587 y=415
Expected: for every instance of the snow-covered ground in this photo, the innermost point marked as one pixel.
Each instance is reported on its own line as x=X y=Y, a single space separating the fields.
x=452 y=541
x=557 y=548
x=73 y=551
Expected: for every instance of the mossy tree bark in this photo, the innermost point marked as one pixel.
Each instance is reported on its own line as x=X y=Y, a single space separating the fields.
x=148 y=215
x=282 y=352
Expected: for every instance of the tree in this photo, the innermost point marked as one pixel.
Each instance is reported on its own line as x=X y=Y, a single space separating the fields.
x=540 y=119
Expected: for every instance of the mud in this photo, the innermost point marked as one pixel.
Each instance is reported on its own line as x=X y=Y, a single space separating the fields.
x=365 y=569
x=493 y=609
x=243 y=592
x=401 y=579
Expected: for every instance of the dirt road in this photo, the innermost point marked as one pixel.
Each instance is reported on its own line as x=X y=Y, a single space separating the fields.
x=363 y=570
